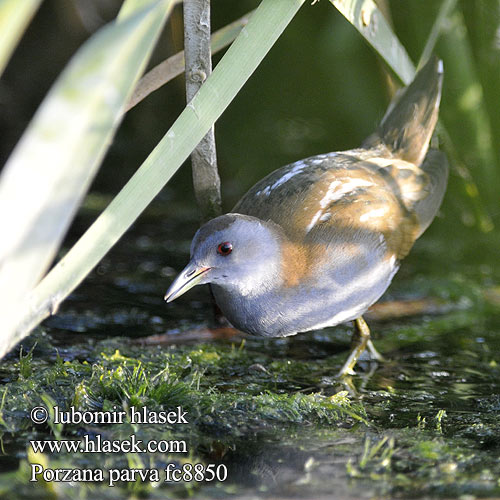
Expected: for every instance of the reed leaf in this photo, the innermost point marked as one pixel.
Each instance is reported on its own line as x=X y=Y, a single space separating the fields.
x=367 y=18
x=174 y=65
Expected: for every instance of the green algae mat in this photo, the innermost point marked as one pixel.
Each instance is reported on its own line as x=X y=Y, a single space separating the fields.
x=116 y=397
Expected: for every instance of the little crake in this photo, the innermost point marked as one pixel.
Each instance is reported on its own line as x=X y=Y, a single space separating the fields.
x=317 y=242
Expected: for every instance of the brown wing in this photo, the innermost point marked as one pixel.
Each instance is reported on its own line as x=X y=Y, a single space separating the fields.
x=320 y=197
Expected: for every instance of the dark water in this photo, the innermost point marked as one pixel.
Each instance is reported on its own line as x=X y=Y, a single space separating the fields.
x=425 y=423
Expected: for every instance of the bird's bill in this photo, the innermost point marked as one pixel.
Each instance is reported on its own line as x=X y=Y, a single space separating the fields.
x=190 y=277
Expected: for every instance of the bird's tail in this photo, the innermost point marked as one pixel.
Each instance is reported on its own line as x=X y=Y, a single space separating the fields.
x=409 y=122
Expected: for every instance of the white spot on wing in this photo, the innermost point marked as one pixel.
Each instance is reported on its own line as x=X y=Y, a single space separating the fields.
x=336 y=191
x=382 y=162
x=266 y=191
x=297 y=169
x=332 y=194
x=378 y=212
x=317 y=215
x=348 y=187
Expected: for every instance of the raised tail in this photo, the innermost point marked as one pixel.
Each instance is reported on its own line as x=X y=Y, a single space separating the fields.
x=409 y=122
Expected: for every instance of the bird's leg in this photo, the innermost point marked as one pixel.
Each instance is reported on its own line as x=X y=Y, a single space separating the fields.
x=360 y=341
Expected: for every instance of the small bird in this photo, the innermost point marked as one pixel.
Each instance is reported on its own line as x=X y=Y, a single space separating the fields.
x=317 y=242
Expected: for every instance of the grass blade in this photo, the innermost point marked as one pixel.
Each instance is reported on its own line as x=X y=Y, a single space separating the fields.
x=174 y=65
x=367 y=18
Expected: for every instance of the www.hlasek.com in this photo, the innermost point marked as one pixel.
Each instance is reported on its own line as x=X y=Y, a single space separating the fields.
x=96 y=444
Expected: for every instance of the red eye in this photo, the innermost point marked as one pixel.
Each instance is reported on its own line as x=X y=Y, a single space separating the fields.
x=224 y=248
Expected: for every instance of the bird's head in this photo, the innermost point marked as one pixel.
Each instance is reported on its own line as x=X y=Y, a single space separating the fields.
x=234 y=251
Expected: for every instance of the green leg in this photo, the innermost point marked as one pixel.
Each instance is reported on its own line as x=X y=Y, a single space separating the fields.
x=360 y=340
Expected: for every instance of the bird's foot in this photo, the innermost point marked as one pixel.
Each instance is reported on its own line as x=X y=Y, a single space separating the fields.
x=348 y=367
x=361 y=341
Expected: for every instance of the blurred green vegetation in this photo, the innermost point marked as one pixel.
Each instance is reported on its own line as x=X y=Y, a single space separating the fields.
x=321 y=88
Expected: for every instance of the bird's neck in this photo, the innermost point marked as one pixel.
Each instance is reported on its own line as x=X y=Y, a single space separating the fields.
x=259 y=278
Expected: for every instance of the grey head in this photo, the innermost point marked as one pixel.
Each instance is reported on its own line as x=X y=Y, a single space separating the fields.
x=237 y=252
